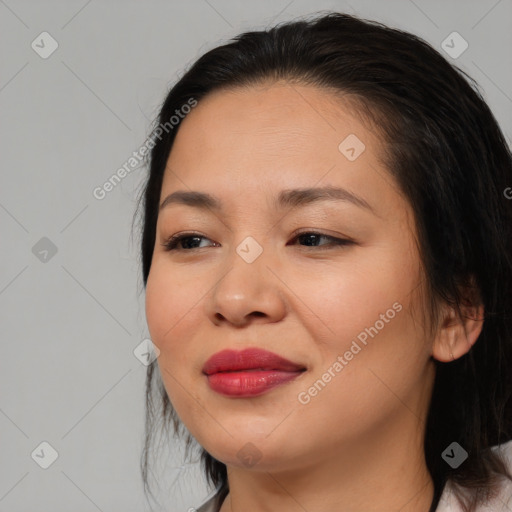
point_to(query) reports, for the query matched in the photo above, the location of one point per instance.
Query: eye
(172, 242)
(189, 241)
(312, 236)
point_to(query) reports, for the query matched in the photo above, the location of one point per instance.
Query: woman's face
(342, 312)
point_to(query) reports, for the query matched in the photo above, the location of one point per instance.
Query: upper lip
(248, 359)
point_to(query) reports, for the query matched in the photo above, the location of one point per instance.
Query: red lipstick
(249, 372)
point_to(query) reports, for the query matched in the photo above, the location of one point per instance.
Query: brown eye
(187, 241)
(311, 237)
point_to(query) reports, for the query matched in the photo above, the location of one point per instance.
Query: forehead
(264, 128)
(282, 113)
(272, 136)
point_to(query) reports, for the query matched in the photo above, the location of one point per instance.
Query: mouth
(250, 372)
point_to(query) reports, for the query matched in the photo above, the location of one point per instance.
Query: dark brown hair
(450, 159)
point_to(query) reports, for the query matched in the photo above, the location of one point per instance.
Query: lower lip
(249, 383)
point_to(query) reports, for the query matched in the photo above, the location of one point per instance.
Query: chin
(253, 452)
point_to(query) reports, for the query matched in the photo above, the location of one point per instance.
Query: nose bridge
(247, 286)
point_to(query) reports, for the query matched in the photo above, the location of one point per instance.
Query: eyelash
(171, 242)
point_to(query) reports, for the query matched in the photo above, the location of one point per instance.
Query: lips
(250, 359)
(249, 373)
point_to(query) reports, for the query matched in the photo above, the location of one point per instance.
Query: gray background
(71, 320)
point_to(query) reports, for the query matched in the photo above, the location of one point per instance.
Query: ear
(456, 335)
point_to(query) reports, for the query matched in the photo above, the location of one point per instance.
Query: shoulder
(502, 502)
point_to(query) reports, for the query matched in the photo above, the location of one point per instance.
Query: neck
(385, 472)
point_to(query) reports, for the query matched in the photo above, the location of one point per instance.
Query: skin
(358, 444)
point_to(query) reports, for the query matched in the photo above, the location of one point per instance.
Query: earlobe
(457, 335)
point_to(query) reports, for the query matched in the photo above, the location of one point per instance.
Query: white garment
(210, 505)
(448, 502)
(501, 503)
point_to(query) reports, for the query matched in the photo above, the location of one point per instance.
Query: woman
(326, 250)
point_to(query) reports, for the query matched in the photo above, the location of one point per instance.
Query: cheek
(341, 301)
(174, 311)
(164, 306)
(363, 314)
(168, 314)
(155, 306)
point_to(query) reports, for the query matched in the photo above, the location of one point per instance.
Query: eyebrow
(291, 198)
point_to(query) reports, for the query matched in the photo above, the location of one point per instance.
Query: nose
(247, 293)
